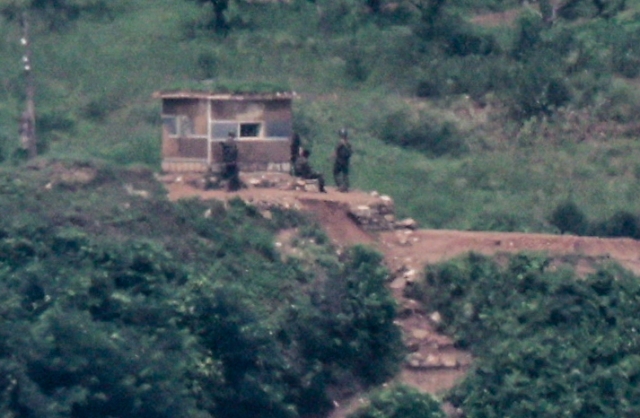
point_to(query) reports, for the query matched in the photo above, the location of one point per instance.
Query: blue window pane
(279, 128)
(170, 125)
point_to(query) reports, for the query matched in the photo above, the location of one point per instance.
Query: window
(249, 130)
(185, 126)
(220, 130)
(170, 124)
(180, 126)
(278, 129)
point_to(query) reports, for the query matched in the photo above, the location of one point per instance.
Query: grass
(96, 76)
(504, 186)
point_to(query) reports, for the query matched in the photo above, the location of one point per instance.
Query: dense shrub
(621, 224)
(466, 41)
(425, 135)
(626, 54)
(121, 305)
(547, 343)
(568, 217)
(351, 321)
(400, 402)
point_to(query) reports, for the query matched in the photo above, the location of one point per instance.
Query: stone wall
(379, 215)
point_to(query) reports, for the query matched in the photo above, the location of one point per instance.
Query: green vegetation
(116, 302)
(568, 217)
(400, 402)
(469, 123)
(547, 343)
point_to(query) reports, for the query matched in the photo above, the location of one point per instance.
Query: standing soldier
(341, 155)
(230, 171)
(295, 151)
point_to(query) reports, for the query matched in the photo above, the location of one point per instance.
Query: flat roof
(212, 95)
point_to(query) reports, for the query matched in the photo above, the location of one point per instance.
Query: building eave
(194, 94)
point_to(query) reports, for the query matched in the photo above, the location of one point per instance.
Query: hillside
(502, 127)
(118, 302)
(434, 364)
(115, 298)
(546, 116)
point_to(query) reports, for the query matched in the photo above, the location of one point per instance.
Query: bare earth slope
(434, 364)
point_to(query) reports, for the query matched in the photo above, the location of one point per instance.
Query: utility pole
(28, 118)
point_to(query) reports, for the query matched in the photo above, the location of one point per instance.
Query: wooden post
(28, 117)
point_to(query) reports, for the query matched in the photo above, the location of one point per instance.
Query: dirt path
(434, 365)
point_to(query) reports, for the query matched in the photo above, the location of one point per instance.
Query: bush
(400, 402)
(568, 217)
(350, 320)
(541, 89)
(621, 224)
(466, 41)
(426, 135)
(626, 55)
(547, 343)
(115, 305)
(620, 103)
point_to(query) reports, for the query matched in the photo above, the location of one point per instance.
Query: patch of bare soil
(433, 364)
(497, 19)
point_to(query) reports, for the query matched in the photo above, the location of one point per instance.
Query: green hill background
(468, 123)
(116, 302)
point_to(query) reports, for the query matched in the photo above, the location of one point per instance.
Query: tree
(430, 11)
(552, 9)
(219, 23)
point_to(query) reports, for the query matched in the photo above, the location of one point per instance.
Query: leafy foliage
(568, 217)
(425, 135)
(116, 303)
(400, 402)
(546, 341)
(545, 97)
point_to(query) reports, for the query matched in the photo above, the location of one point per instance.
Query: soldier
(230, 171)
(295, 151)
(341, 155)
(303, 170)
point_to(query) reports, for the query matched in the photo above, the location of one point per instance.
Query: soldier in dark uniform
(303, 170)
(230, 172)
(295, 151)
(341, 155)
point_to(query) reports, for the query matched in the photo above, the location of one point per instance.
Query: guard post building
(194, 123)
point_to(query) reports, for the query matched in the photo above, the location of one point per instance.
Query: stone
(450, 362)
(420, 334)
(406, 223)
(311, 186)
(398, 283)
(415, 361)
(403, 238)
(435, 317)
(432, 361)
